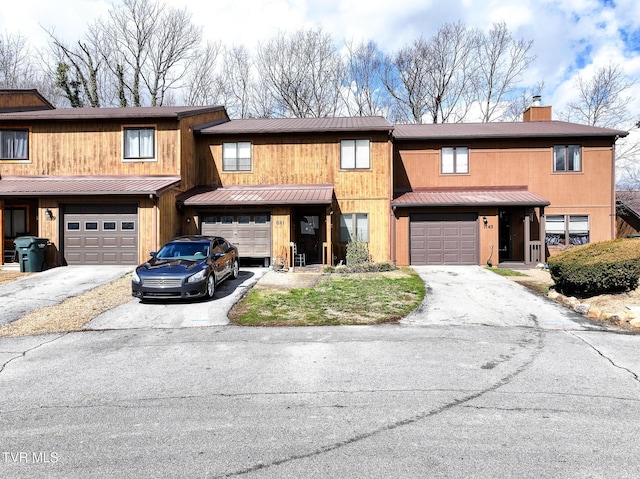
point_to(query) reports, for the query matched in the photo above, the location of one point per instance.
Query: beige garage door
(249, 232)
(100, 234)
(444, 238)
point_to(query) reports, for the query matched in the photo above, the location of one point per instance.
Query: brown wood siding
(312, 159)
(515, 163)
(281, 232)
(22, 100)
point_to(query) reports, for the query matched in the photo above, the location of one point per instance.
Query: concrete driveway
(472, 295)
(53, 286)
(172, 314)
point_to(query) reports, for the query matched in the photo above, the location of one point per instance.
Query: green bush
(357, 253)
(607, 267)
(371, 267)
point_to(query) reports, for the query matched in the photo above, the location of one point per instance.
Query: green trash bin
(31, 252)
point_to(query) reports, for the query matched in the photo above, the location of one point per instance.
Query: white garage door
(100, 234)
(450, 238)
(249, 232)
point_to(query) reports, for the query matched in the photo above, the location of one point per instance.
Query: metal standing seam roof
(262, 195)
(85, 185)
(522, 129)
(297, 125)
(143, 112)
(507, 196)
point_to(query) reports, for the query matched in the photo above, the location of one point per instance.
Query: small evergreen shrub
(357, 253)
(597, 268)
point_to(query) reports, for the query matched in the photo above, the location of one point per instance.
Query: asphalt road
(441, 395)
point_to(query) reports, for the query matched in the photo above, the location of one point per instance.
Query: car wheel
(235, 269)
(211, 286)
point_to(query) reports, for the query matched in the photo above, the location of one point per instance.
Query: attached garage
(446, 238)
(249, 232)
(100, 234)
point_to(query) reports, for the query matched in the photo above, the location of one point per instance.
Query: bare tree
(14, 61)
(302, 71)
(364, 94)
(77, 70)
(501, 61)
(404, 75)
(434, 78)
(518, 103)
(201, 82)
(238, 81)
(601, 98)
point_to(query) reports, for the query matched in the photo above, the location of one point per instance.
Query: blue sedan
(187, 267)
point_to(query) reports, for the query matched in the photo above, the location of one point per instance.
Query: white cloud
(569, 35)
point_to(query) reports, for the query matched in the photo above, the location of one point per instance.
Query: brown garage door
(444, 238)
(100, 234)
(249, 232)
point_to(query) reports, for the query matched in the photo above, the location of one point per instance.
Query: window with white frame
(354, 154)
(139, 143)
(354, 226)
(567, 229)
(236, 156)
(455, 160)
(14, 144)
(567, 158)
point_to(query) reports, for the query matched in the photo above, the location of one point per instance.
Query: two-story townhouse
(99, 183)
(501, 192)
(275, 186)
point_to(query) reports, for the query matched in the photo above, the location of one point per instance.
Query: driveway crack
(538, 343)
(26, 351)
(611, 361)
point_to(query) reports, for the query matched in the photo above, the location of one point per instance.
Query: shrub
(607, 267)
(357, 253)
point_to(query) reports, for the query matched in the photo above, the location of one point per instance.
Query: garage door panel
(444, 238)
(100, 234)
(250, 233)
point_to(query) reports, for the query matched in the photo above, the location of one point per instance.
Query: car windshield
(189, 251)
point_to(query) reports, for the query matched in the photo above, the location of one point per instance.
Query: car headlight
(199, 276)
(135, 278)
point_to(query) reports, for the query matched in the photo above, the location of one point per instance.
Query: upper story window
(455, 160)
(236, 156)
(14, 144)
(567, 158)
(354, 154)
(354, 226)
(139, 143)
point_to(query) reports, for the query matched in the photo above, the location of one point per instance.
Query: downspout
(154, 223)
(613, 188)
(392, 215)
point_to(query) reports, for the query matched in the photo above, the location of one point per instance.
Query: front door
(309, 240)
(505, 226)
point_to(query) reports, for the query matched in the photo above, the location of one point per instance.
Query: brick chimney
(536, 112)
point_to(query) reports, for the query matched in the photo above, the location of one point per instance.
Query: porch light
(49, 214)
(484, 220)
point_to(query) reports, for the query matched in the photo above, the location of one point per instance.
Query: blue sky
(571, 37)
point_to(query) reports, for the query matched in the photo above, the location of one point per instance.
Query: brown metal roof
(523, 129)
(261, 195)
(629, 201)
(85, 185)
(167, 112)
(503, 196)
(298, 125)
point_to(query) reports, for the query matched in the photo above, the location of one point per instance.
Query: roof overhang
(259, 195)
(12, 186)
(505, 196)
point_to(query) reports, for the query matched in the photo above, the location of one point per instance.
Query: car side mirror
(217, 255)
(153, 254)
